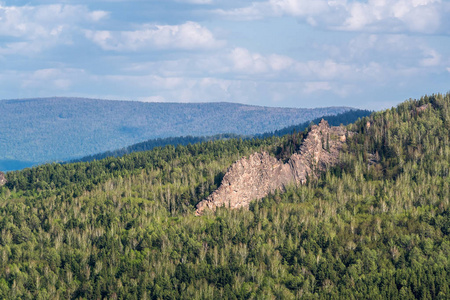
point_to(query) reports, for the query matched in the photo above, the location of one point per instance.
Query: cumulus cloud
(421, 16)
(45, 20)
(377, 52)
(368, 64)
(37, 27)
(240, 72)
(243, 61)
(189, 35)
(300, 7)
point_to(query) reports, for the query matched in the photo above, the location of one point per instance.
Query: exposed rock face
(2, 179)
(260, 174)
(422, 108)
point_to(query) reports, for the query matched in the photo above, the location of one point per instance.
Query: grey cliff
(255, 177)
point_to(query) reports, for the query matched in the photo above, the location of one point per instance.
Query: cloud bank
(189, 36)
(300, 53)
(420, 16)
(35, 28)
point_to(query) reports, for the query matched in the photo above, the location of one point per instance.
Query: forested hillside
(342, 118)
(58, 129)
(375, 227)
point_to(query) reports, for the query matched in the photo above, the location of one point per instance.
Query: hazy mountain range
(342, 118)
(57, 129)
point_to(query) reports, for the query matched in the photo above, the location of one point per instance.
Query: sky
(369, 54)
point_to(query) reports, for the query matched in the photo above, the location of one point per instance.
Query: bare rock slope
(255, 177)
(2, 178)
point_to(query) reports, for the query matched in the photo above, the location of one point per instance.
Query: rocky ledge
(2, 179)
(255, 177)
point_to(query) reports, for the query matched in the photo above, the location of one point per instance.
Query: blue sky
(291, 53)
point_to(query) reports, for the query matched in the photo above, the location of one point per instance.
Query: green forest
(374, 227)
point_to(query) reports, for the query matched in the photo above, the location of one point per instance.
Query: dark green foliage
(198, 168)
(377, 227)
(344, 118)
(150, 144)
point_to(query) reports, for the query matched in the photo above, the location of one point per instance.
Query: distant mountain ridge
(342, 118)
(56, 129)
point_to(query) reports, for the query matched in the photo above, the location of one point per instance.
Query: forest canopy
(377, 226)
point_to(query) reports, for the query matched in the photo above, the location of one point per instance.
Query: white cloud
(327, 69)
(387, 51)
(395, 16)
(58, 79)
(242, 73)
(299, 7)
(421, 16)
(43, 21)
(253, 12)
(274, 62)
(189, 35)
(243, 61)
(38, 27)
(431, 58)
(280, 62)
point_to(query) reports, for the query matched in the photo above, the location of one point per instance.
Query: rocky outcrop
(260, 174)
(2, 179)
(422, 108)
